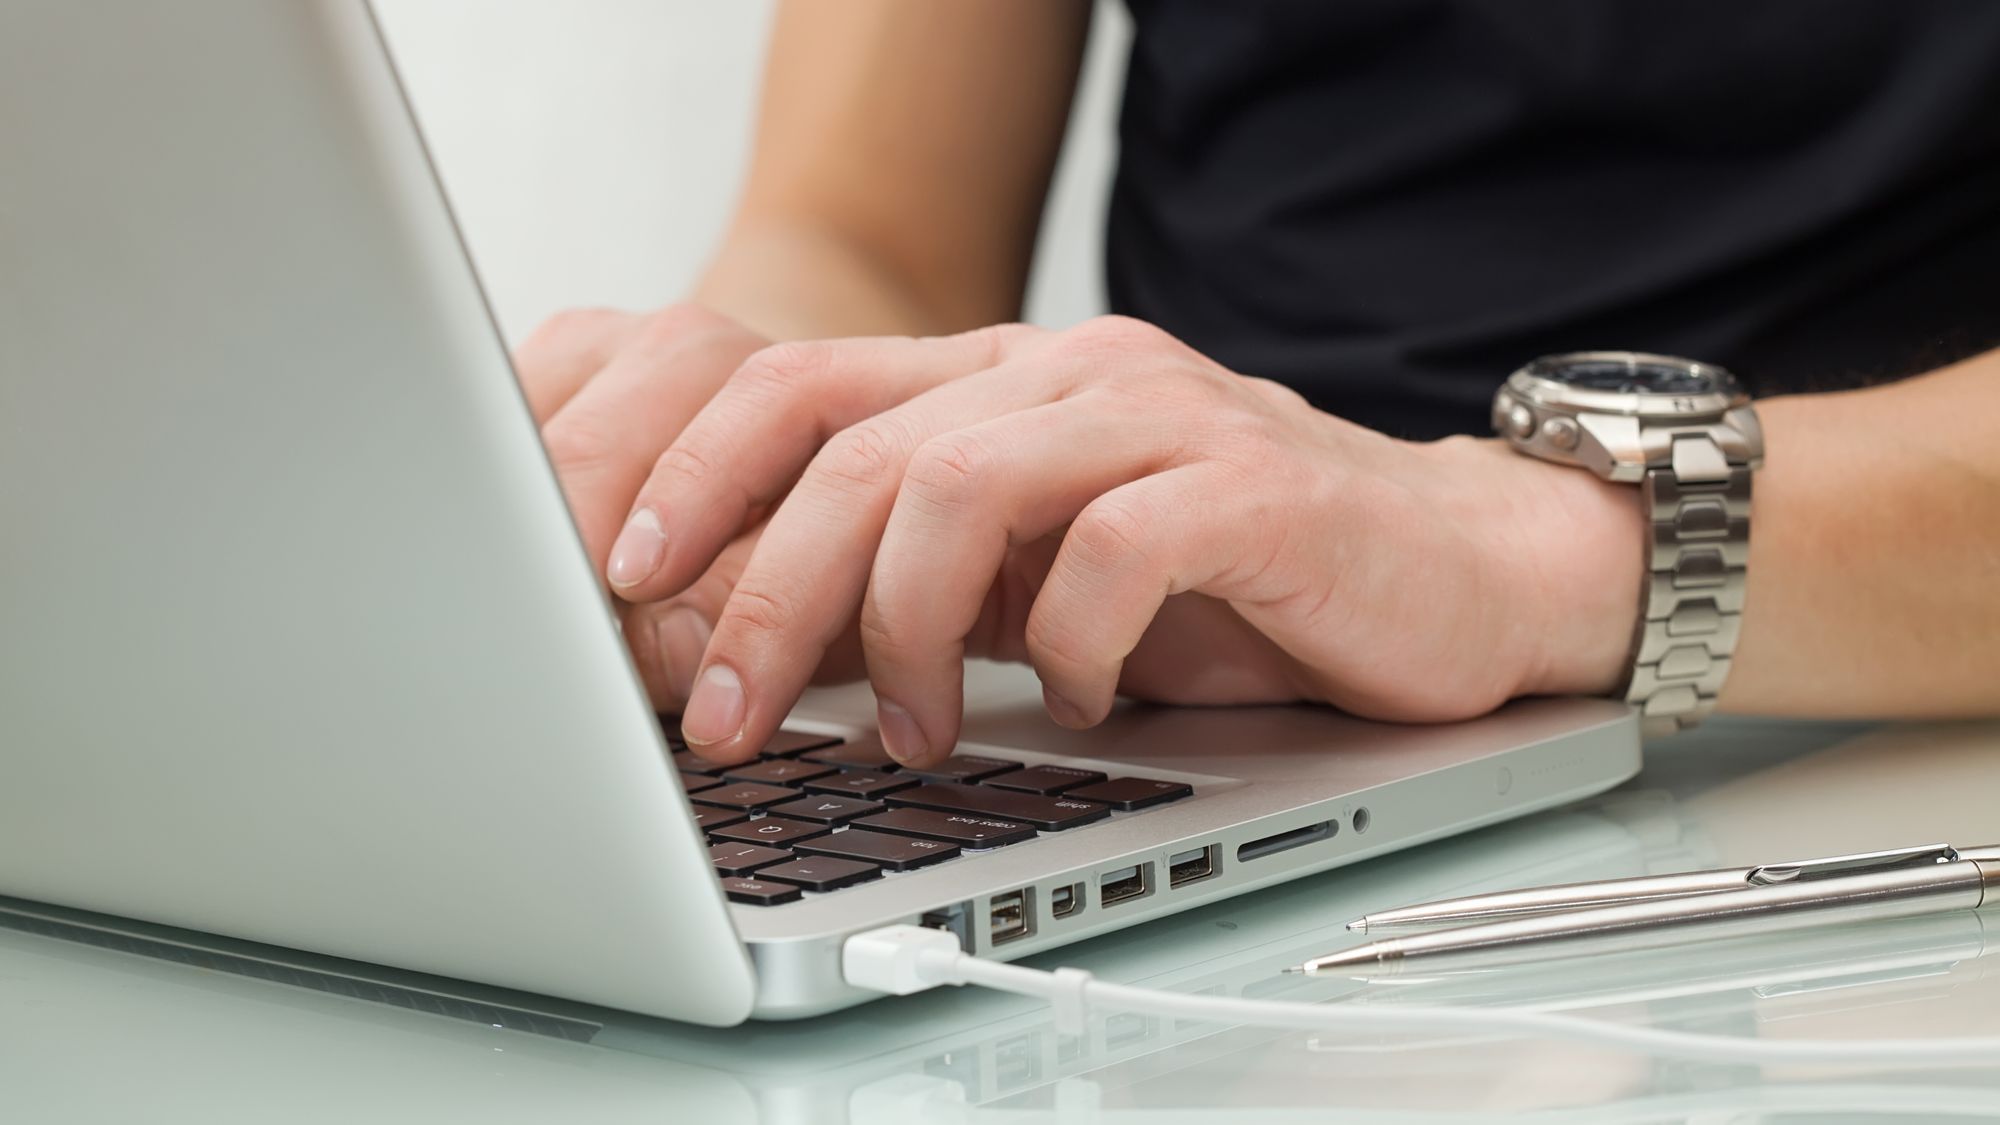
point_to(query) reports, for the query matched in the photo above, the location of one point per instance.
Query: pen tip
(1293, 969)
(1359, 925)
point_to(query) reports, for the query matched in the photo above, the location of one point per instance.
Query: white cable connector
(886, 960)
(905, 959)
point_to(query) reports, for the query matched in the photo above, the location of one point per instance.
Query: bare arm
(902, 157)
(1875, 552)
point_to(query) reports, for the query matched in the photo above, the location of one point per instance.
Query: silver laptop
(298, 645)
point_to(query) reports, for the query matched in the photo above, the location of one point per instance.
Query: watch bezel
(1550, 393)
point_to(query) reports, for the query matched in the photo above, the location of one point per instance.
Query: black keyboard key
(742, 859)
(769, 830)
(1046, 780)
(864, 755)
(897, 853)
(963, 769)
(826, 809)
(758, 892)
(967, 830)
(708, 820)
(743, 795)
(686, 762)
(1128, 793)
(786, 743)
(670, 725)
(778, 771)
(696, 782)
(822, 872)
(859, 783)
(1051, 813)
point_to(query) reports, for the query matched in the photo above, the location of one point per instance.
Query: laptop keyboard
(815, 813)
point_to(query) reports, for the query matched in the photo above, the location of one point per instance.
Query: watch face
(1632, 374)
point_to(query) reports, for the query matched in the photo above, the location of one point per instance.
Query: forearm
(800, 279)
(903, 152)
(1874, 574)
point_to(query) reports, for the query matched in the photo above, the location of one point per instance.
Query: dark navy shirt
(1390, 204)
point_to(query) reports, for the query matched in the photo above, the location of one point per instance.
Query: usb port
(1124, 884)
(1190, 866)
(955, 920)
(1063, 901)
(1009, 917)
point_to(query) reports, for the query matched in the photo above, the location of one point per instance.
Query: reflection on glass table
(102, 1020)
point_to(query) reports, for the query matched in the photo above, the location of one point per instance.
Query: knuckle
(947, 471)
(685, 463)
(758, 611)
(1274, 392)
(997, 341)
(577, 445)
(863, 456)
(568, 325)
(682, 321)
(781, 369)
(1110, 534)
(1121, 333)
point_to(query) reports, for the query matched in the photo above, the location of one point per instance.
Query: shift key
(1051, 814)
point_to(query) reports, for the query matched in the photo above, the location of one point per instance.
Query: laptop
(298, 645)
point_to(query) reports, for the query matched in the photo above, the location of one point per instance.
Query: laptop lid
(296, 641)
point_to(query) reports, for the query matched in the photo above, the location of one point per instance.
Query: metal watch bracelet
(1698, 504)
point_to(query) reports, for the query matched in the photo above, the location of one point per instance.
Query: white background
(592, 148)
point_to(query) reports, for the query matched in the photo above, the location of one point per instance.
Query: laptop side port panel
(1124, 884)
(1010, 916)
(1192, 866)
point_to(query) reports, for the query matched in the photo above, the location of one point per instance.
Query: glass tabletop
(161, 1026)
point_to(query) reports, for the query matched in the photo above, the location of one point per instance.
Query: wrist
(1570, 551)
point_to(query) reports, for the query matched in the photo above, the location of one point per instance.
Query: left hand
(1127, 516)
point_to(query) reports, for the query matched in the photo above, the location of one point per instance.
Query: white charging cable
(905, 959)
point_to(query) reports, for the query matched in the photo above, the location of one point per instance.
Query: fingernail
(1063, 711)
(901, 736)
(715, 708)
(682, 635)
(638, 551)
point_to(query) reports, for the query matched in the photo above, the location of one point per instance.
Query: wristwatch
(1686, 435)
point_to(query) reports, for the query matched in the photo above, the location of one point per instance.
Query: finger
(968, 497)
(667, 638)
(565, 350)
(810, 569)
(747, 445)
(604, 440)
(1202, 526)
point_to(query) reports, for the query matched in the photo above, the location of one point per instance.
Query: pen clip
(1772, 874)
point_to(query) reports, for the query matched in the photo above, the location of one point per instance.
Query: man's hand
(1124, 514)
(611, 390)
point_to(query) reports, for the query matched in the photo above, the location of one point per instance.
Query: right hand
(611, 390)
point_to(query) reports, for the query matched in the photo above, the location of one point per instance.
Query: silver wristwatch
(1685, 433)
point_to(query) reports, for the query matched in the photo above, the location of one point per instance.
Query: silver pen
(1656, 910)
